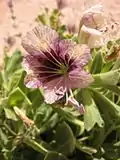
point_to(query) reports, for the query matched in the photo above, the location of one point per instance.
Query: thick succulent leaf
(111, 152)
(92, 115)
(10, 114)
(97, 63)
(109, 108)
(64, 139)
(117, 64)
(98, 137)
(99, 158)
(70, 118)
(35, 145)
(107, 67)
(13, 62)
(108, 78)
(55, 156)
(84, 148)
(16, 96)
(3, 138)
(114, 89)
(20, 82)
(50, 123)
(43, 114)
(14, 80)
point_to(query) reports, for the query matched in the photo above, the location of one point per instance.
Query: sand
(26, 11)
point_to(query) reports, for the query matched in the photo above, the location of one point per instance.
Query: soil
(24, 13)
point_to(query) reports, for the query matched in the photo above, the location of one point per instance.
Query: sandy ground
(26, 11)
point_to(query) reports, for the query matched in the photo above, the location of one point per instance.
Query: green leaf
(64, 138)
(107, 67)
(55, 156)
(61, 30)
(117, 64)
(97, 63)
(109, 108)
(99, 158)
(20, 82)
(35, 145)
(50, 123)
(92, 114)
(69, 117)
(43, 18)
(36, 98)
(43, 114)
(98, 137)
(114, 89)
(14, 79)
(4, 80)
(13, 62)
(3, 138)
(111, 152)
(108, 78)
(16, 96)
(84, 148)
(10, 114)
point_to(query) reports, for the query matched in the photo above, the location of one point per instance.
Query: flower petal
(51, 96)
(54, 90)
(81, 53)
(30, 64)
(72, 101)
(91, 37)
(79, 79)
(40, 39)
(93, 17)
(32, 82)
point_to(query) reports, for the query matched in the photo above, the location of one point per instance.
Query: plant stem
(36, 146)
(69, 118)
(9, 129)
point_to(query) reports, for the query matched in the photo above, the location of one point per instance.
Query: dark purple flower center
(54, 65)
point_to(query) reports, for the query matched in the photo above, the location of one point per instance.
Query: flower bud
(93, 17)
(91, 37)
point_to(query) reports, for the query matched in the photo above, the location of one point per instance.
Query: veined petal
(80, 53)
(39, 40)
(51, 96)
(56, 65)
(32, 63)
(79, 79)
(32, 82)
(54, 90)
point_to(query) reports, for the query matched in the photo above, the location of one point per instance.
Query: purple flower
(53, 64)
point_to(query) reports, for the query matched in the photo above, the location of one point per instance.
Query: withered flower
(93, 17)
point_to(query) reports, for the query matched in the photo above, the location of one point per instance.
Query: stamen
(72, 101)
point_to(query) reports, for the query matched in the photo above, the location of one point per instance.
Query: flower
(72, 101)
(53, 64)
(96, 28)
(93, 17)
(91, 37)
